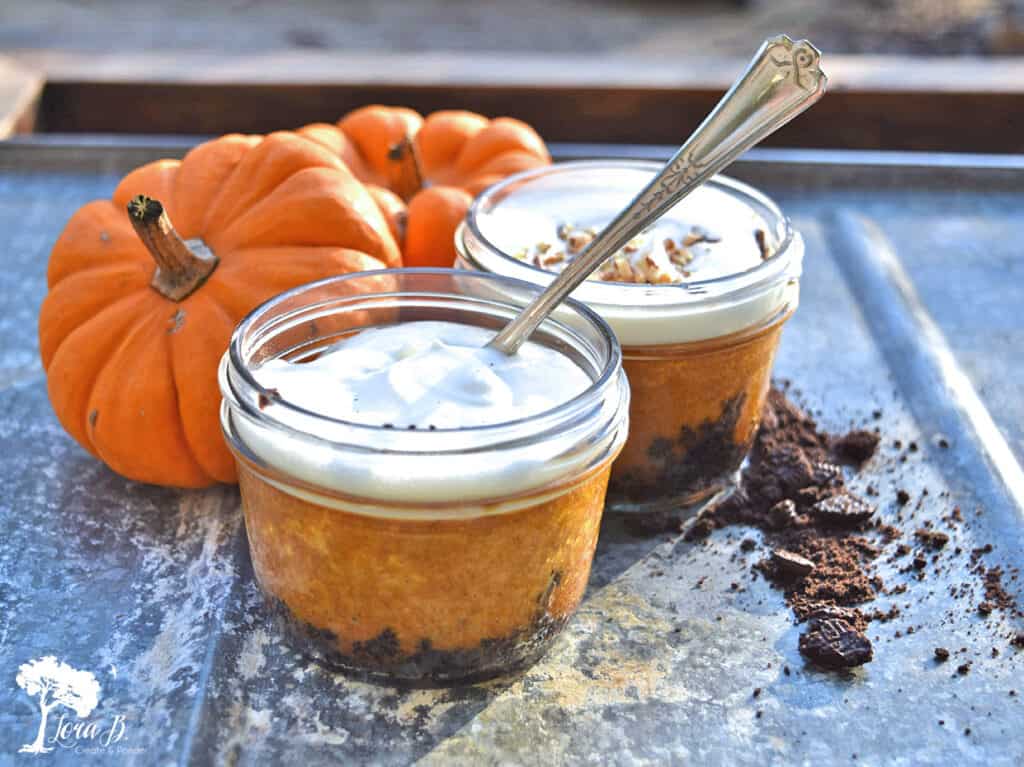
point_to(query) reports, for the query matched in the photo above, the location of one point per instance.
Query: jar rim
(242, 390)
(475, 246)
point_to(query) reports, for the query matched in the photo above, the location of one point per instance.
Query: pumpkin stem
(407, 178)
(180, 270)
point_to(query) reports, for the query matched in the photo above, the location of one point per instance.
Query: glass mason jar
(698, 353)
(430, 556)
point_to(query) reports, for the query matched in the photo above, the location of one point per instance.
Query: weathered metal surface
(910, 304)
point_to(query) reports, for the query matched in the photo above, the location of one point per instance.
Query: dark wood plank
(874, 103)
(967, 122)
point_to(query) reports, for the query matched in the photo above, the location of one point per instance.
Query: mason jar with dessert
(697, 301)
(419, 506)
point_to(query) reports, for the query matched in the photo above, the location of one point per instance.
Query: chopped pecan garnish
(623, 269)
(681, 257)
(577, 241)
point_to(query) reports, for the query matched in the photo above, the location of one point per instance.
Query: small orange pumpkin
(436, 165)
(139, 311)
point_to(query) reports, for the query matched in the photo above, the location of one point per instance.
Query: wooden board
(875, 102)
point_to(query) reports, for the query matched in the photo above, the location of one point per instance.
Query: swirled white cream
(700, 272)
(710, 234)
(426, 375)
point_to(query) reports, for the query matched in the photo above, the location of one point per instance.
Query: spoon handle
(782, 80)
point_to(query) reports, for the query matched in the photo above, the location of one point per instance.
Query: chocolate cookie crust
(381, 658)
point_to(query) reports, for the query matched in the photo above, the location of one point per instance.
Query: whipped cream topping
(426, 375)
(719, 262)
(710, 234)
(438, 378)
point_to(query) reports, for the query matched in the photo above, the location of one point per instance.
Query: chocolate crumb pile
(795, 492)
(824, 540)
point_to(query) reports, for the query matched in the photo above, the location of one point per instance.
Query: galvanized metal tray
(911, 304)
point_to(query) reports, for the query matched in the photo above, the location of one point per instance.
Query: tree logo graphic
(56, 684)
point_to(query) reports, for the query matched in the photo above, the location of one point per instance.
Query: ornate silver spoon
(782, 80)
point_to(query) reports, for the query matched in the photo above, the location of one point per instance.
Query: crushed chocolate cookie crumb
(977, 553)
(891, 614)
(790, 564)
(382, 658)
(834, 643)
(783, 514)
(793, 468)
(701, 528)
(823, 540)
(856, 447)
(851, 615)
(996, 595)
(932, 538)
(843, 510)
(684, 466)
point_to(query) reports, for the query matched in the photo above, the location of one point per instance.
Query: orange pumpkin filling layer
(693, 413)
(441, 599)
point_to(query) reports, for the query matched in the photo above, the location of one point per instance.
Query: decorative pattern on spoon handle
(783, 79)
